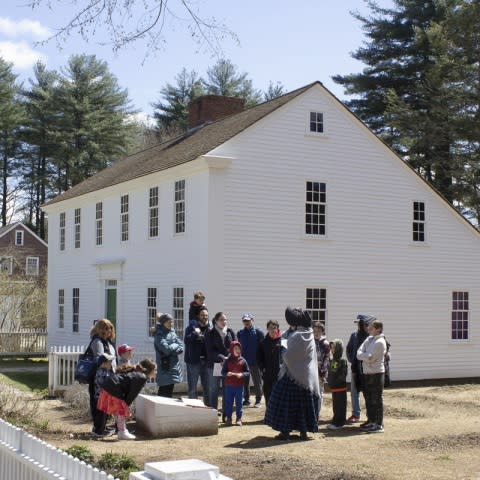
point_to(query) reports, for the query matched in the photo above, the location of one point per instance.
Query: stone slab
(165, 417)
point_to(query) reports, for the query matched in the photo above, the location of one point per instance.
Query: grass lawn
(30, 378)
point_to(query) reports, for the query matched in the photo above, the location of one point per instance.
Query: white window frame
(99, 224)
(75, 310)
(179, 211)
(32, 266)
(8, 262)
(61, 308)
(153, 212)
(124, 217)
(77, 221)
(419, 221)
(316, 303)
(460, 315)
(151, 310)
(178, 309)
(316, 123)
(62, 222)
(315, 209)
(19, 235)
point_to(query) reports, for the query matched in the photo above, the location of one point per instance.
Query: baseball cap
(247, 316)
(125, 348)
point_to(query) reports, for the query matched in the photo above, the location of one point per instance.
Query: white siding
(368, 261)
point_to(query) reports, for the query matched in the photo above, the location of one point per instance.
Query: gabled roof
(179, 150)
(7, 228)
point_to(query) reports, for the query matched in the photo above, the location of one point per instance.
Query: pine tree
(11, 121)
(40, 144)
(171, 113)
(407, 94)
(93, 130)
(224, 79)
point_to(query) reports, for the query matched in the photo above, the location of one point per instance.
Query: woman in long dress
(294, 401)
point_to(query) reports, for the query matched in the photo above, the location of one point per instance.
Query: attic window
(19, 237)
(316, 122)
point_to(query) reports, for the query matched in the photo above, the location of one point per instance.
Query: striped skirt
(292, 407)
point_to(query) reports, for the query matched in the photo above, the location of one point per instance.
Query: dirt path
(430, 433)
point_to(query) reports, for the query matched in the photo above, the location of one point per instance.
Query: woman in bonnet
(294, 401)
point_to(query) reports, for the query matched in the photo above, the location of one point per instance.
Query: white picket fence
(25, 457)
(62, 361)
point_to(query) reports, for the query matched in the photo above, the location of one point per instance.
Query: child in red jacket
(234, 371)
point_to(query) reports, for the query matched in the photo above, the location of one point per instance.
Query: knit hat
(165, 317)
(298, 317)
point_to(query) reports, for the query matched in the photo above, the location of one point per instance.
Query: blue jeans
(214, 384)
(233, 394)
(194, 372)
(355, 397)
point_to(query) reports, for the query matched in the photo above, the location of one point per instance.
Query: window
(459, 315)
(124, 218)
(151, 310)
(75, 309)
(177, 310)
(153, 213)
(6, 265)
(77, 227)
(180, 206)
(418, 222)
(316, 122)
(31, 265)
(316, 303)
(19, 237)
(61, 308)
(315, 208)
(99, 224)
(62, 231)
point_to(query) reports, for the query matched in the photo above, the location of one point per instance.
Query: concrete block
(167, 417)
(191, 469)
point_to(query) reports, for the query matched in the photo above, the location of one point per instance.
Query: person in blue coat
(168, 347)
(250, 338)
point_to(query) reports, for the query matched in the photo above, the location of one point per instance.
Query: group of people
(289, 369)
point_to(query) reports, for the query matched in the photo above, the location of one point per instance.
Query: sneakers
(125, 435)
(353, 419)
(332, 426)
(375, 429)
(228, 422)
(366, 426)
(246, 403)
(257, 405)
(238, 423)
(105, 433)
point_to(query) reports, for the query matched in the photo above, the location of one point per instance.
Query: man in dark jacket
(250, 338)
(217, 342)
(356, 339)
(196, 355)
(268, 357)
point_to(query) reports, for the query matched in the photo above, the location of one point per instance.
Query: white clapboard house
(292, 202)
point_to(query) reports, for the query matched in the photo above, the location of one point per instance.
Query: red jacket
(235, 365)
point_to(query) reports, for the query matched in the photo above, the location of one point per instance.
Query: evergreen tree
(274, 91)
(93, 130)
(171, 113)
(404, 94)
(40, 144)
(11, 121)
(224, 79)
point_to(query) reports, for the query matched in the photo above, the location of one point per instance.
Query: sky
(294, 43)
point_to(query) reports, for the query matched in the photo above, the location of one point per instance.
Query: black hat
(298, 317)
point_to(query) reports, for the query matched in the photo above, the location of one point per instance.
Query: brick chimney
(212, 108)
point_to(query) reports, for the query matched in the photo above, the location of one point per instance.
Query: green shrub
(82, 453)
(118, 465)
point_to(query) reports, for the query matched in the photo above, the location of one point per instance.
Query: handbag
(86, 367)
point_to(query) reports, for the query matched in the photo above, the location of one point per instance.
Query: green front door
(111, 305)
